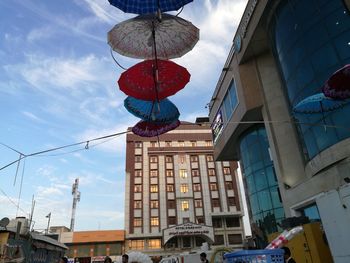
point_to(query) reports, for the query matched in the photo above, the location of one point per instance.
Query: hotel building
(177, 196)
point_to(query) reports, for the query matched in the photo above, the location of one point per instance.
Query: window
(185, 220)
(210, 158)
(181, 143)
(195, 172)
(232, 222)
(193, 143)
(185, 206)
(138, 144)
(208, 143)
(231, 201)
(182, 158)
(154, 221)
(199, 241)
(137, 222)
(211, 172)
(154, 188)
(198, 203)
(217, 223)
(229, 185)
(138, 158)
(171, 220)
(230, 100)
(171, 204)
(227, 170)
(168, 159)
(154, 173)
(153, 144)
(168, 144)
(194, 158)
(215, 202)
(186, 242)
(218, 240)
(200, 220)
(213, 187)
(183, 173)
(234, 239)
(184, 188)
(138, 173)
(169, 173)
(154, 244)
(154, 204)
(170, 188)
(137, 204)
(138, 188)
(196, 187)
(136, 244)
(153, 159)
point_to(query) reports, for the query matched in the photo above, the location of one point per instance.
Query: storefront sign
(217, 126)
(188, 229)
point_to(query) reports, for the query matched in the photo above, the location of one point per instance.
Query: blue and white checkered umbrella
(148, 6)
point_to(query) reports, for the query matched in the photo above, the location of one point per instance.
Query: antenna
(76, 198)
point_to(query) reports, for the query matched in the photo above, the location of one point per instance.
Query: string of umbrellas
(155, 37)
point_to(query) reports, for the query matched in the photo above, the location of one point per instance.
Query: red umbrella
(338, 85)
(149, 129)
(144, 82)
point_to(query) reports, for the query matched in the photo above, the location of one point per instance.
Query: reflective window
(154, 243)
(136, 244)
(183, 173)
(184, 188)
(154, 221)
(185, 206)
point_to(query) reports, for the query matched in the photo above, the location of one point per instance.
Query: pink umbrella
(338, 85)
(149, 129)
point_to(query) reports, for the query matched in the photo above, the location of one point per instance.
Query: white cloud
(40, 33)
(32, 116)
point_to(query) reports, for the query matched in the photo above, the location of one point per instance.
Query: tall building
(177, 196)
(293, 164)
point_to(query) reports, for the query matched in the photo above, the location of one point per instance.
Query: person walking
(108, 260)
(125, 258)
(203, 257)
(288, 255)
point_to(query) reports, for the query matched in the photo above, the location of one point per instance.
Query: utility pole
(76, 198)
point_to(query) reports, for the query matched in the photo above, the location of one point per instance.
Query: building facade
(282, 53)
(177, 196)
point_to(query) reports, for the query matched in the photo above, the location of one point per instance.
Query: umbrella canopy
(338, 85)
(148, 129)
(140, 81)
(148, 6)
(318, 103)
(163, 111)
(138, 37)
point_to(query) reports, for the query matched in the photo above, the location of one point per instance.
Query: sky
(58, 86)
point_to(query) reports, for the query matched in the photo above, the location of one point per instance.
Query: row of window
(233, 239)
(140, 244)
(169, 159)
(172, 143)
(183, 172)
(184, 188)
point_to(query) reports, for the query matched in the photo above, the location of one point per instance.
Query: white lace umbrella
(137, 257)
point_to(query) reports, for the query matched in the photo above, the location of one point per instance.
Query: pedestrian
(63, 260)
(108, 260)
(287, 255)
(125, 258)
(203, 257)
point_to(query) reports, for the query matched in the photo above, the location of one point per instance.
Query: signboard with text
(189, 229)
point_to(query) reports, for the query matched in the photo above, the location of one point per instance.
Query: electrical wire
(13, 202)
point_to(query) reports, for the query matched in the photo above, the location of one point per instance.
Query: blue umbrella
(148, 6)
(318, 103)
(163, 111)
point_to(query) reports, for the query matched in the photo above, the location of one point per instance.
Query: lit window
(193, 143)
(154, 221)
(210, 158)
(170, 188)
(227, 170)
(154, 204)
(138, 158)
(137, 222)
(154, 173)
(138, 144)
(208, 143)
(168, 144)
(153, 144)
(195, 172)
(154, 188)
(136, 244)
(183, 173)
(198, 203)
(154, 243)
(185, 206)
(168, 159)
(184, 188)
(213, 187)
(138, 173)
(153, 159)
(196, 187)
(137, 204)
(181, 143)
(138, 188)
(211, 172)
(229, 185)
(194, 158)
(182, 158)
(169, 173)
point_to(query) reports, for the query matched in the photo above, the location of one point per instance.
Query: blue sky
(58, 86)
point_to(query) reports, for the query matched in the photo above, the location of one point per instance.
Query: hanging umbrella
(139, 80)
(135, 38)
(338, 85)
(318, 103)
(163, 111)
(148, 129)
(148, 6)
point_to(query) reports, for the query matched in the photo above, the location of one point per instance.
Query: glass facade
(260, 179)
(311, 40)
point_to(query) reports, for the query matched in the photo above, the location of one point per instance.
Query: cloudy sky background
(58, 86)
